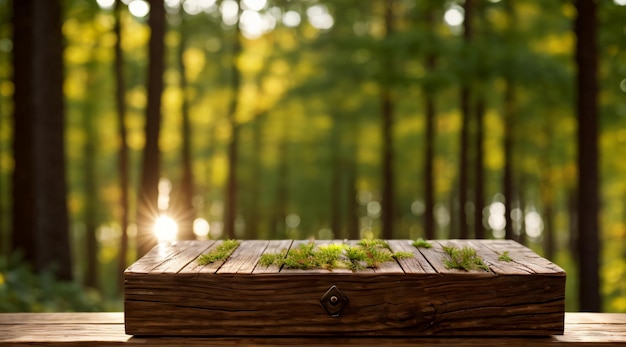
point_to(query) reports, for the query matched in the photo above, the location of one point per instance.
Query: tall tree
(147, 206)
(40, 219)
(186, 211)
(89, 174)
(230, 210)
(122, 163)
(386, 99)
(468, 32)
(587, 109)
(508, 113)
(430, 114)
(479, 173)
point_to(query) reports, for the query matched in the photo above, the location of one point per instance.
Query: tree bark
(465, 115)
(429, 146)
(387, 203)
(479, 176)
(147, 206)
(230, 211)
(40, 220)
(122, 163)
(185, 213)
(90, 185)
(587, 109)
(509, 135)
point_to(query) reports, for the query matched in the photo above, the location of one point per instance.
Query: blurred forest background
(124, 123)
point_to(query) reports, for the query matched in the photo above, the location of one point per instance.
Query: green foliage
(221, 252)
(504, 256)
(366, 254)
(22, 290)
(463, 259)
(421, 243)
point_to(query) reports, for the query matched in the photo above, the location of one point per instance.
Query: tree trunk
(185, 213)
(587, 109)
(429, 147)
(252, 227)
(337, 171)
(40, 220)
(509, 125)
(509, 136)
(387, 203)
(90, 185)
(122, 164)
(465, 114)
(147, 206)
(479, 176)
(230, 211)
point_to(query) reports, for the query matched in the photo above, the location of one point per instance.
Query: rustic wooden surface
(168, 292)
(107, 329)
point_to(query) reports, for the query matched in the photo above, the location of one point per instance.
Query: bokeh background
(271, 119)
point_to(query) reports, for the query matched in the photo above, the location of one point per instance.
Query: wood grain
(107, 329)
(416, 296)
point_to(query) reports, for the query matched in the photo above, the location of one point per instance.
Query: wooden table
(107, 329)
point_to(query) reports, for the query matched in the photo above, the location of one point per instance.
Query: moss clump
(219, 253)
(366, 254)
(421, 243)
(463, 259)
(504, 256)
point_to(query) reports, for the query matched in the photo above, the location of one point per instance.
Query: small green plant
(219, 253)
(463, 259)
(367, 253)
(504, 256)
(421, 243)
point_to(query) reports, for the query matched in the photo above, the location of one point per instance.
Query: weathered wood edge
(106, 329)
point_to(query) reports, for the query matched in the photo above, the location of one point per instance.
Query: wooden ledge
(107, 329)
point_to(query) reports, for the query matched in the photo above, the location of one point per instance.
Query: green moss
(366, 254)
(504, 256)
(219, 253)
(463, 259)
(421, 243)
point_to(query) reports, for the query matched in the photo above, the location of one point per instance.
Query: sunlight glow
(106, 4)
(194, 7)
(253, 24)
(164, 188)
(254, 5)
(454, 16)
(620, 2)
(373, 209)
(291, 19)
(230, 12)
(496, 219)
(533, 224)
(139, 8)
(292, 220)
(319, 17)
(201, 228)
(165, 229)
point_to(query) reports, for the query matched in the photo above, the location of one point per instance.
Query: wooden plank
(157, 255)
(107, 329)
(274, 247)
(525, 257)
(188, 253)
(491, 257)
(244, 258)
(417, 264)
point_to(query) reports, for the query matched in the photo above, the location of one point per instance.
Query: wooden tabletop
(107, 329)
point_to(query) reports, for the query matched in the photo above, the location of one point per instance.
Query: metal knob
(334, 301)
